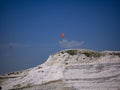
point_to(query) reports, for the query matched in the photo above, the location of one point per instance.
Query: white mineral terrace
(69, 70)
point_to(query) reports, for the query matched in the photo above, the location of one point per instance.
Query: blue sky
(30, 29)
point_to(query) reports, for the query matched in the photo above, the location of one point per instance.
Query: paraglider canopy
(62, 35)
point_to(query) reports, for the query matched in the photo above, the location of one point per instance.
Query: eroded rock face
(69, 70)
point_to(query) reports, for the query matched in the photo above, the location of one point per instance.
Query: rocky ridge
(73, 69)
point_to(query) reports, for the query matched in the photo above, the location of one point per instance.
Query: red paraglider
(62, 35)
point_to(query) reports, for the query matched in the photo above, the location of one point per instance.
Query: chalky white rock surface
(69, 70)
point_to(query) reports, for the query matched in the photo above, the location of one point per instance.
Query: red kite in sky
(62, 35)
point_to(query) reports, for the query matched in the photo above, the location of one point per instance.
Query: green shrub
(117, 54)
(39, 67)
(28, 85)
(91, 54)
(72, 52)
(17, 86)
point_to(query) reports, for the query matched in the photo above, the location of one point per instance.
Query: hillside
(73, 69)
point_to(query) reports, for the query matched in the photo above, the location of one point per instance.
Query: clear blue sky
(30, 29)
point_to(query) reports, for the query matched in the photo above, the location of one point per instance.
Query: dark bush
(66, 63)
(62, 52)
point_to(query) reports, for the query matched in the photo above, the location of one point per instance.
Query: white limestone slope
(69, 70)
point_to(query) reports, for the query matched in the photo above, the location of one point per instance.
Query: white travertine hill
(75, 69)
